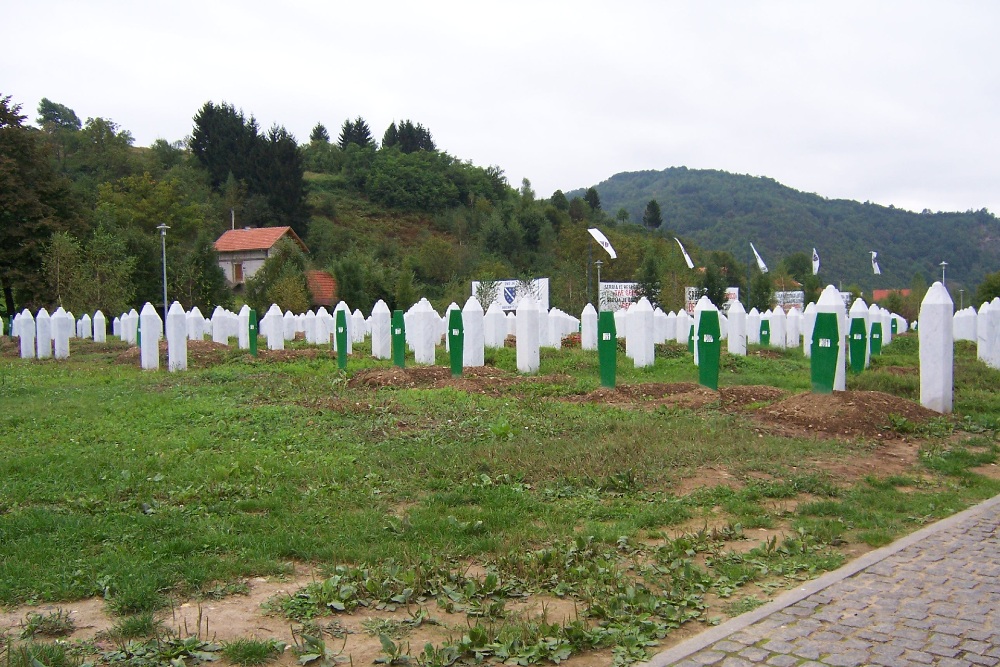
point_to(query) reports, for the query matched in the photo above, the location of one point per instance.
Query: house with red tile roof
(243, 251)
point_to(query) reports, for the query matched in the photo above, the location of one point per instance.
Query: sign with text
(617, 296)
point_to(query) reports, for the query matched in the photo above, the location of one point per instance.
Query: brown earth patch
(651, 395)
(743, 395)
(842, 414)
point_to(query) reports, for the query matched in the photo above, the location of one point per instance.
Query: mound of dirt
(847, 414)
(651, 395)
(743, 396)
(478, 380)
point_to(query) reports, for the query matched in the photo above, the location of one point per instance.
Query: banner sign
(506, 294)
(788, 300)
(617, 296)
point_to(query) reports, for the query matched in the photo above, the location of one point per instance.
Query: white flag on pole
(815, 262)
(875, 268)
(760, 262)
(687, 257)
(603, 241)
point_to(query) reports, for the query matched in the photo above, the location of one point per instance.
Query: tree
(577, 210)
(34, 203)
(593, 199)
(989, 289)
(61, 265)
(198, 279)
(355, 132)
(714, 284)
(57, 115)
(651, 217)
(622, 216)
(351, 283)
(559, 201)
(319, 134)
(281, 280)
(761, 291)
(409, 137)
(648, 279)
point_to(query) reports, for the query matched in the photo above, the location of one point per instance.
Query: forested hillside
(723, 211)
(396, 217)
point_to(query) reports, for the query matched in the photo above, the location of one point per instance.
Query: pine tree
(319, 134)
(651, 217)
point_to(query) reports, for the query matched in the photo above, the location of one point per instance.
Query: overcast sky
(891, 102)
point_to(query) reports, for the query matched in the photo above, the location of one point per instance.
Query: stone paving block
(847, 659)
(953, 662)
(754, 654)
(709, 657)
(736, 662)
(782, 661)
(918, 657)
(977, 659)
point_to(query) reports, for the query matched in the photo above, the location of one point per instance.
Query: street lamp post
(163, 244)
(961, 296)
(598, 264)
(943, 265)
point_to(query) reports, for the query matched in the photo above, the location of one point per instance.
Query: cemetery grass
(518, 518)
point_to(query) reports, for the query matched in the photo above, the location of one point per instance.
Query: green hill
(722, 211)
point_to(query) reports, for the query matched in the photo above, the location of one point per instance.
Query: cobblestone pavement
(932, 598)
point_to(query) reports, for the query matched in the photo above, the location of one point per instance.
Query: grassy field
(147, 487)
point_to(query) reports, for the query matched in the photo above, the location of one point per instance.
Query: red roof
(323, 288)
(259, 238)
(879, 294)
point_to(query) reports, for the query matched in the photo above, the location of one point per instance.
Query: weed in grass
(58, 623)
(251, 652)
(36, 654)
(139, 626)
(742, 606)
(163, 651)
(312, 650)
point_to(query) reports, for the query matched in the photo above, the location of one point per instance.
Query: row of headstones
(981, 327)
(825, 330)
(43, 336)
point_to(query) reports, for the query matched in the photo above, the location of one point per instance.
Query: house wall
(252, 260)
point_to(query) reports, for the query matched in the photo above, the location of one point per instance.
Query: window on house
(238, 272)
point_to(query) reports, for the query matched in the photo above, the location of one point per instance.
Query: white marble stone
(588, 328)
(528, 358)
(100, 328)
(26, 334)
(737, 342)
(86, 327)
(149, 345)
(495, 327)
(381, 323)
(639, 340)
(753, 327)
(177, 338)
(937, 351)
(793, 327)
(43, 334)
(474, 334)
(778, 328)
(62, 329)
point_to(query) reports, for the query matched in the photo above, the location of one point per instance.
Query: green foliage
(648, 278)
(415, 181)
(34, 203)
(355, 132)
(281, 280)
(58, 623)
(720, 211)
(252, 652)
(761, 291)
(268, 164)
(652, 218)
(319, 134)
(714, 284)
(592, 199)
(408, 137)
(988, 289)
